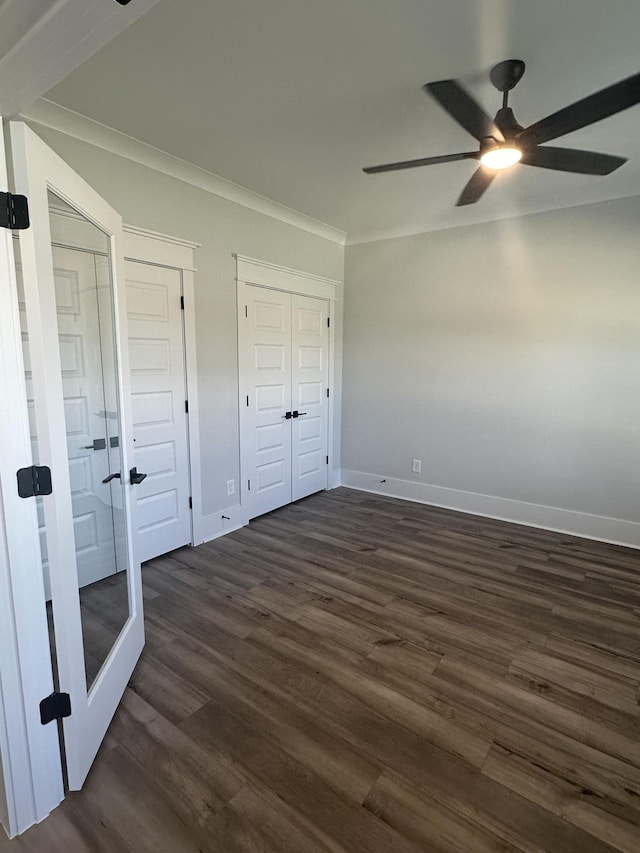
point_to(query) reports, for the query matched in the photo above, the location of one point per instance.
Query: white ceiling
(291, 98)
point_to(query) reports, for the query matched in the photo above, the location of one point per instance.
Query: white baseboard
(613, 530)
(219, 524)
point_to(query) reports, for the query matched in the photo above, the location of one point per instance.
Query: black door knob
(135, 477)
(98, 444)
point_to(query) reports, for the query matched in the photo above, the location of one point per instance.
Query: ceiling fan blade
(425, 161)
(476, 186)
(462, 107)
(572, 160)
(593, 108)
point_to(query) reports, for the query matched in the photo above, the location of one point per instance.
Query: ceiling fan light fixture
(501, 157)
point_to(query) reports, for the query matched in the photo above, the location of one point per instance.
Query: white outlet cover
(417, 466)
(231, 487)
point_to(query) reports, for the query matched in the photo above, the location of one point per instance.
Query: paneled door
(283, 368)
(74, 307)
(160, 419)
(309, 384)
(265, 381)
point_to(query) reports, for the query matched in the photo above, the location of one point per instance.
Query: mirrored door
(73, 322)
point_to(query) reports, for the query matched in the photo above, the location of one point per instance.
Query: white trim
(615, 531)
(67, 33)
(51, 115)
(252, 271)
(165, 250)
(473, 217)
(216, 525)
(30, 751)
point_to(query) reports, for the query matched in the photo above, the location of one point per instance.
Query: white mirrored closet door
(73, 318)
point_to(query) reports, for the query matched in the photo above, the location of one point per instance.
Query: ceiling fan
(504, 142)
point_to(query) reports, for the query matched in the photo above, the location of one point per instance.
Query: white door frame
(150, 247)
(31, 765)
(276, 277)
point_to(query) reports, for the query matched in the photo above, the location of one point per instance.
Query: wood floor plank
(354, 674)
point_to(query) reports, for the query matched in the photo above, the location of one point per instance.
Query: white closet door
(265, 371)
(283, 344)
(158, 388)
(309, 383)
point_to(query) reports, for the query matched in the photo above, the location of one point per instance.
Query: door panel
(309, 383)
(265, 367)
(73, 302)
(156, 356)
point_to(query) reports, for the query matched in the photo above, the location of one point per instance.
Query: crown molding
(508, 212)
(48, 114)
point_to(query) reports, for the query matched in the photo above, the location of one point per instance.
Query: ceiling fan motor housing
(506, 75)
(506, 122)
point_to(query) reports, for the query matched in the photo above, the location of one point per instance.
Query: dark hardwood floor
(360, 674)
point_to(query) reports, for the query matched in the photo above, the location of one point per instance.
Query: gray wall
(505, 356)
(151, 200)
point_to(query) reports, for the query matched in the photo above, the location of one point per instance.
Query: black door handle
(287, 415)
(111, 477)
(135, 477)
(98, 444)
(297, 414)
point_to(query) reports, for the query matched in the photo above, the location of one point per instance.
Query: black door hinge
(190, 503)
(34, 481)
(14, 211)
(327, 392)
(186, 406)
(55, 707)
(182, 302)
(327, 460)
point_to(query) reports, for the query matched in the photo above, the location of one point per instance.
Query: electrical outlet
(417, 466)
(231, 487)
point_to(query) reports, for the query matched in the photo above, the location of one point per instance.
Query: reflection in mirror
(85, 316)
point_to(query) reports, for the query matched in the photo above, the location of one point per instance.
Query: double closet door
(283, 341)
